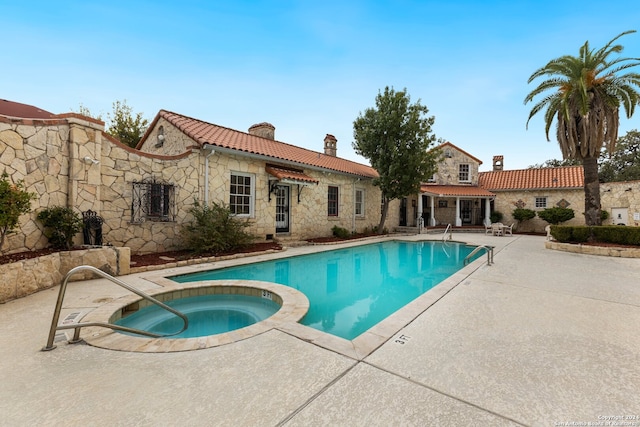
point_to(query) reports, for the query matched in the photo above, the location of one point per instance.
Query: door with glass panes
(282, 209)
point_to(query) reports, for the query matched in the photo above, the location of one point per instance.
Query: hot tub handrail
(77, 326)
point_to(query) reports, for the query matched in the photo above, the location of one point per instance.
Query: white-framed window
(359, 202)
(242, 194)
(464, 172)
(332, 201)
(541, 202)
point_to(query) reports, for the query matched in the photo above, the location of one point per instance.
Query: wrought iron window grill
(153, 201)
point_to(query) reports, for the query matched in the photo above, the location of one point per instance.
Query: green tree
(85, 111)
(395, 136)
(523, 214)
(124, 126)
(555, 163)
(14, 201)
(623, 164)
(588, 91)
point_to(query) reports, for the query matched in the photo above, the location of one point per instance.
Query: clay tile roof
(207, 133)
(455, 190)
(286, 174)
(24, 111)
(529, 179)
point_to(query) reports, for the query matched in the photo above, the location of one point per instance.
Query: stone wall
(613, 195)
(621, 197)
(449, 167)
(121, 166)
(506, 201)
(28, 276)
(48, 156)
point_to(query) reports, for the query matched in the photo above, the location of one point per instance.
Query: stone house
(287, 192)
(451, 196)
(460, 195)
(537, 189)
(144, 196)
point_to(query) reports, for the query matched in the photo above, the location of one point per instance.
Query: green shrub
(340, 232)
(214, 229)
(556, 215)
(561, 234)
(580, 234)
(604, 215)
(604, 233)
(14, 201)
(522, 214)
(60, 225)
(495, 216)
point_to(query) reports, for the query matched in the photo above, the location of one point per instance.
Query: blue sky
(309, 68)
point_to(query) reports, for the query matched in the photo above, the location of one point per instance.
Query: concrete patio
(540, 338)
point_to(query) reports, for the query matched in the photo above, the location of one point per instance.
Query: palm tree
(587, 93)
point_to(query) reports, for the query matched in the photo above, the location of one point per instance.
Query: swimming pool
(350, 290)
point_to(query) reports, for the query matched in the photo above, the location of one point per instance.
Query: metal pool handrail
(78, 326)
(450, 230)
(489, 250)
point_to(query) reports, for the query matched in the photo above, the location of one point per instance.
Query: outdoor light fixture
(160, 142)
(88, 160)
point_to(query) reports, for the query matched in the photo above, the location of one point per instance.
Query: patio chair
(487, 229)
(496, 229)
(508, 230)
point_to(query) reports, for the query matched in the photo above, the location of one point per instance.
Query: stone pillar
(85, 148)
(458, 219)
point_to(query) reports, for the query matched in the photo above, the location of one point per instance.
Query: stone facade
(70, 161)
(616, 198)
(622, 201)
(506, 201)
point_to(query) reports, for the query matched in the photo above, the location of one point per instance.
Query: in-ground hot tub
(219, 312)
(208, 314)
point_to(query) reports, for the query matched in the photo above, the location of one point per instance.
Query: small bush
(604, 215)
(604, 233)
(561, 234)
(580, 234)
(61, 224)
(14, 201)
(556, 215)
(340, 232)
(522, 214)
(495, 216)
(214, 229)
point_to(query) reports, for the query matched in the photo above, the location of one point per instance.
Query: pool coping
(358, 348)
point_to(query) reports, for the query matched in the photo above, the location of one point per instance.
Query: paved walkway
(540, 338)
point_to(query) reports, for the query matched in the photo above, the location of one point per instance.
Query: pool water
(207, 314)
(350, 290)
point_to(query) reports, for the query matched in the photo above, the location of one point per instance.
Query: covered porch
(458, 205)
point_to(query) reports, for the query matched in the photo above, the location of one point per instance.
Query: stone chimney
(330, 145)
(498, 163)
(264, 130)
